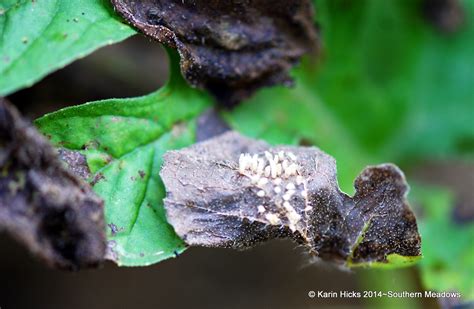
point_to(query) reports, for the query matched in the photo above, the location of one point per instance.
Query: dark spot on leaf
(230, 48)
(142, 174)
(97, 177)
(306, 142)
(216, 198)
(113, 229)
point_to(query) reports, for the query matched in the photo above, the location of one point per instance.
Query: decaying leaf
(230, 48)
(232, 191)
(42, 203)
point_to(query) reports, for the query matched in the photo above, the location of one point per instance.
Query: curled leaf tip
(230, 48)
(235, 192)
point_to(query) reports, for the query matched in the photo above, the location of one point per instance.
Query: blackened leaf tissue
(230, 48)
(234, 192)
(42, 203)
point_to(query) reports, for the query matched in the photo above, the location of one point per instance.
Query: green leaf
(123, 141)
(447, 246)
(38, 37)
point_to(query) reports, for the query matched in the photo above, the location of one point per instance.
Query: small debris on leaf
(42, 203)
(231, 48)
(216, 198)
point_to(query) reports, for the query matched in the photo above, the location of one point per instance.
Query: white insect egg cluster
(279, 176)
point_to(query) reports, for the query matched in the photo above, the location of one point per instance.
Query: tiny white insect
(261, 209)
(290, 186)
(277, 189)
(281, 154)
(292, 156)
(269, 156)
(261, 193)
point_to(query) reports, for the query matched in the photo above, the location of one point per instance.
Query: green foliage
(123, 141)
(448, 245)
(38, 37)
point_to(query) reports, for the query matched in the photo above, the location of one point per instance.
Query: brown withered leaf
(231, 48)
(215, 199)
(43, 204)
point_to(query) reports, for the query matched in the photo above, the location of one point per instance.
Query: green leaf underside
(123, 141)
(393, 261)
(38, 37)
(447, 246)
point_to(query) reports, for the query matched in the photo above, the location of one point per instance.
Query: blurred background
(397, 75)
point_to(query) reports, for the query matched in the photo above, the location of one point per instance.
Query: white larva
(277, 189)
(308, 208)
(278, 169)
(273, 169)
(290, 186)
(276, 159)
(263, 181)
(267, 171)
(281, 154)
(292, 156)
(261, 209)
(254, 162)
(261, 166)
(269, 156)
(241, 162)
(261, 193)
